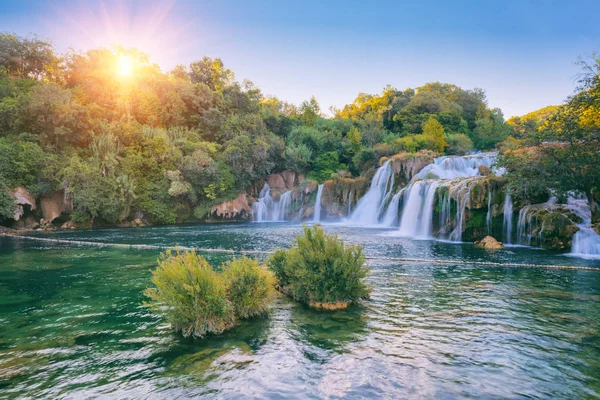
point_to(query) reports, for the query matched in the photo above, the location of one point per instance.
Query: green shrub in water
(250, 287)
(321, 271)
(196, 300)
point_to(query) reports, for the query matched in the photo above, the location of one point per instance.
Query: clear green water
(72, 325)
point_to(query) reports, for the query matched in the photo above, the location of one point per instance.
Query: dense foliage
(250, 286)
(196, 300)
(125, 139)
(319, 269)
(562, 154)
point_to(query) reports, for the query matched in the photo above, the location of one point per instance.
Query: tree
(211, 72)
(433, 132)
(566, 147)
(27, 57)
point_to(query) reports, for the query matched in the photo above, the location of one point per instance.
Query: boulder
(340, 305)
(69, 225)
(22, 198)
(276, 182)
(53, 205)
(237, 208)
(489, 242)
(290, 179)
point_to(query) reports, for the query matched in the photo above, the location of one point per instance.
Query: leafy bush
(250, 286)
(319, 269)
(190, 294)
(459, 144)
(196, 300)
(7, 202)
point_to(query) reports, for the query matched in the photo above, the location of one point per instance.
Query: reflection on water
(72, 325)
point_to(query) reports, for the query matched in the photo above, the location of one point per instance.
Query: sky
(521, 52)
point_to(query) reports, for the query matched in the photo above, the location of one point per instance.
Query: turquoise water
(72, 325)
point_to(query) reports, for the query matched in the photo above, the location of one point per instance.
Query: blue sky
(521, 53)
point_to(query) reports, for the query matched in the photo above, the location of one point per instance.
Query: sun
(125, 65)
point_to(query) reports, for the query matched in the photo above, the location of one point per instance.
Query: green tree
(433, 132)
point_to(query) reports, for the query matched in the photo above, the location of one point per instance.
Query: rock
(6, 231)
(596, 227)
(46, 225)
(483, 170)
(138, 222)
(68, 225)
(235, 209)
(276, 182)
(290, 179)
(340, 305)
(53, 205)
(22, 198)
(310, 187)
(489, 242)
(407, 165)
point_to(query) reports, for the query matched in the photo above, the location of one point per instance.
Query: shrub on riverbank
(196, 300)
(321, 271)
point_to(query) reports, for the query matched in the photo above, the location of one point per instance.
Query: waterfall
(371, 206)
(417, 212)
(317, 210)
(452, 167)
(349, 210)
(525, 225)
(266, 209)
(419, 196)
(391, 215)
(586, 242)
(461, 194)
(488, 217)
(508, 212)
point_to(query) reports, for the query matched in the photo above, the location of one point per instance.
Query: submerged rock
(340, 305)
(489, 242)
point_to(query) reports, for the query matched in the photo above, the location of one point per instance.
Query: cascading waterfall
(586, 242)
(452, 167)
(317, 210)
(391, 215)
(419, 196)
(371, 206)
(508, 212)
(526, 223)
(265, 209)
(417, 212)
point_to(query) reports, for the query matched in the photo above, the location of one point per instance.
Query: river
(72, 324)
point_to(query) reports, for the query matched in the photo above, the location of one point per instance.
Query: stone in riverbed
(340, 305)
(489, 242)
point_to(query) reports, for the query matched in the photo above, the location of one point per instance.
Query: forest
(125, 140)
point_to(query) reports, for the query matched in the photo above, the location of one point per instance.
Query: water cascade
(586, 242)
(371, 206)
(317, 210)
(417, 212)
(452, 167)
(526, 224)
(419, 196)
(508, 212)
(391, 215)
(266, 209)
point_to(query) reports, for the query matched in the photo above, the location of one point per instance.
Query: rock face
(407, 165)
(22, 198)
(236, 209)
(53, 205)
(277, 182)
(489, 242)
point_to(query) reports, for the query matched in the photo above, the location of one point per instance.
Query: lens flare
(125, 67)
